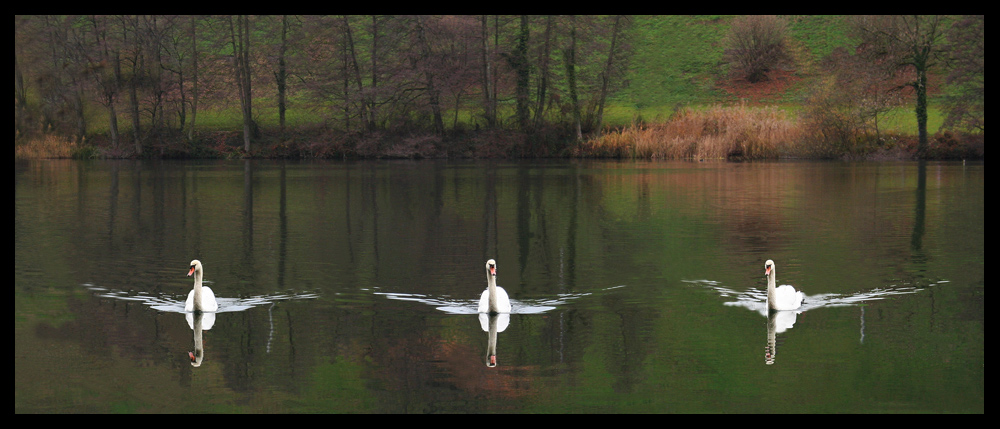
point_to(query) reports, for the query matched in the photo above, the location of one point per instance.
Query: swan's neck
(197, 290)
(491, 281)
(770, 288)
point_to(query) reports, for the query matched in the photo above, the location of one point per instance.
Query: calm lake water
(349, 287)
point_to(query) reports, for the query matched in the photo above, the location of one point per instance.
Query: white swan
(784, 297)
(494, 298)
(201, 298)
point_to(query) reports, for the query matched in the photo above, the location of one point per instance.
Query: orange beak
(191, 271)
(767, 270)
(493, 271)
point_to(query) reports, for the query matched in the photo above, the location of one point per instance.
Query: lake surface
(638, 287)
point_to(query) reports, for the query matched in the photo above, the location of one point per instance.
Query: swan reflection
(199, 345)
(198, 321)
(493, 324)
(779, 321)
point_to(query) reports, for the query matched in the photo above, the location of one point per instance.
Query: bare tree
(914, 43)
(105, 67)
(240, 38)
(519, 62)
(569, 60)
(756, 45)
(614, 67)
(543, 71)
(966, 101)
(433, 93)
(281, 76)
(489, 101)
(194, 78)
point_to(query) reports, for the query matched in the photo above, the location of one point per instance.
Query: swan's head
(195, 266)
(491, 267)
(493, 361)
(768, 267)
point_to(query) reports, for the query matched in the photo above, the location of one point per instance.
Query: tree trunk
(570, 57)
(606, 75)
(20, 97)
(240, 37)
(432, 91)
(281, 76)
(921, 110)
(113, 124)
(355, 69)
(520, 65)
(133, 100)
(490, 115)
(543, 73)
(194, 78)
(374, 84)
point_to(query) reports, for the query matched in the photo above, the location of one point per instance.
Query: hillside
(674, 64)
(678, 61)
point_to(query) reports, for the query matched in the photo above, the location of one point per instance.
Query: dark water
(351, 287)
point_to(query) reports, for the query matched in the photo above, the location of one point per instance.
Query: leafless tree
(914, 43)
(966, 73)
(755, 45)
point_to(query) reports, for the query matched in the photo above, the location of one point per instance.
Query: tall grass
(718, 132)
(44, 146)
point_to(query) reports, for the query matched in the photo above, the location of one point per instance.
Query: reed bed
(718, 132)
(44, 146)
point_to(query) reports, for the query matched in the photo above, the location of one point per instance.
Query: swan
(201, 298)
(494, 298)
(781, 298)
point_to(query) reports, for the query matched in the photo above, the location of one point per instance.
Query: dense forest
(494, 85)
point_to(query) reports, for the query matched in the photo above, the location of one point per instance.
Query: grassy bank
(735, 132)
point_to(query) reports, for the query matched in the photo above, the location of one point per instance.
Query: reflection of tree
(917, 238)
(246, 261)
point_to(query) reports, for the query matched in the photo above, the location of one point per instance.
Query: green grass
(676, 60)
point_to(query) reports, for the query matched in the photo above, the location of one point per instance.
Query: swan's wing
(484, 302)
(208, 299)
(189, 304)
(503, 302)
(785, 289)
(787, 298)
(502, 295)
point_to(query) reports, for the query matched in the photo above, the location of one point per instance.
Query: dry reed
(44, 146)
(719, 132)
